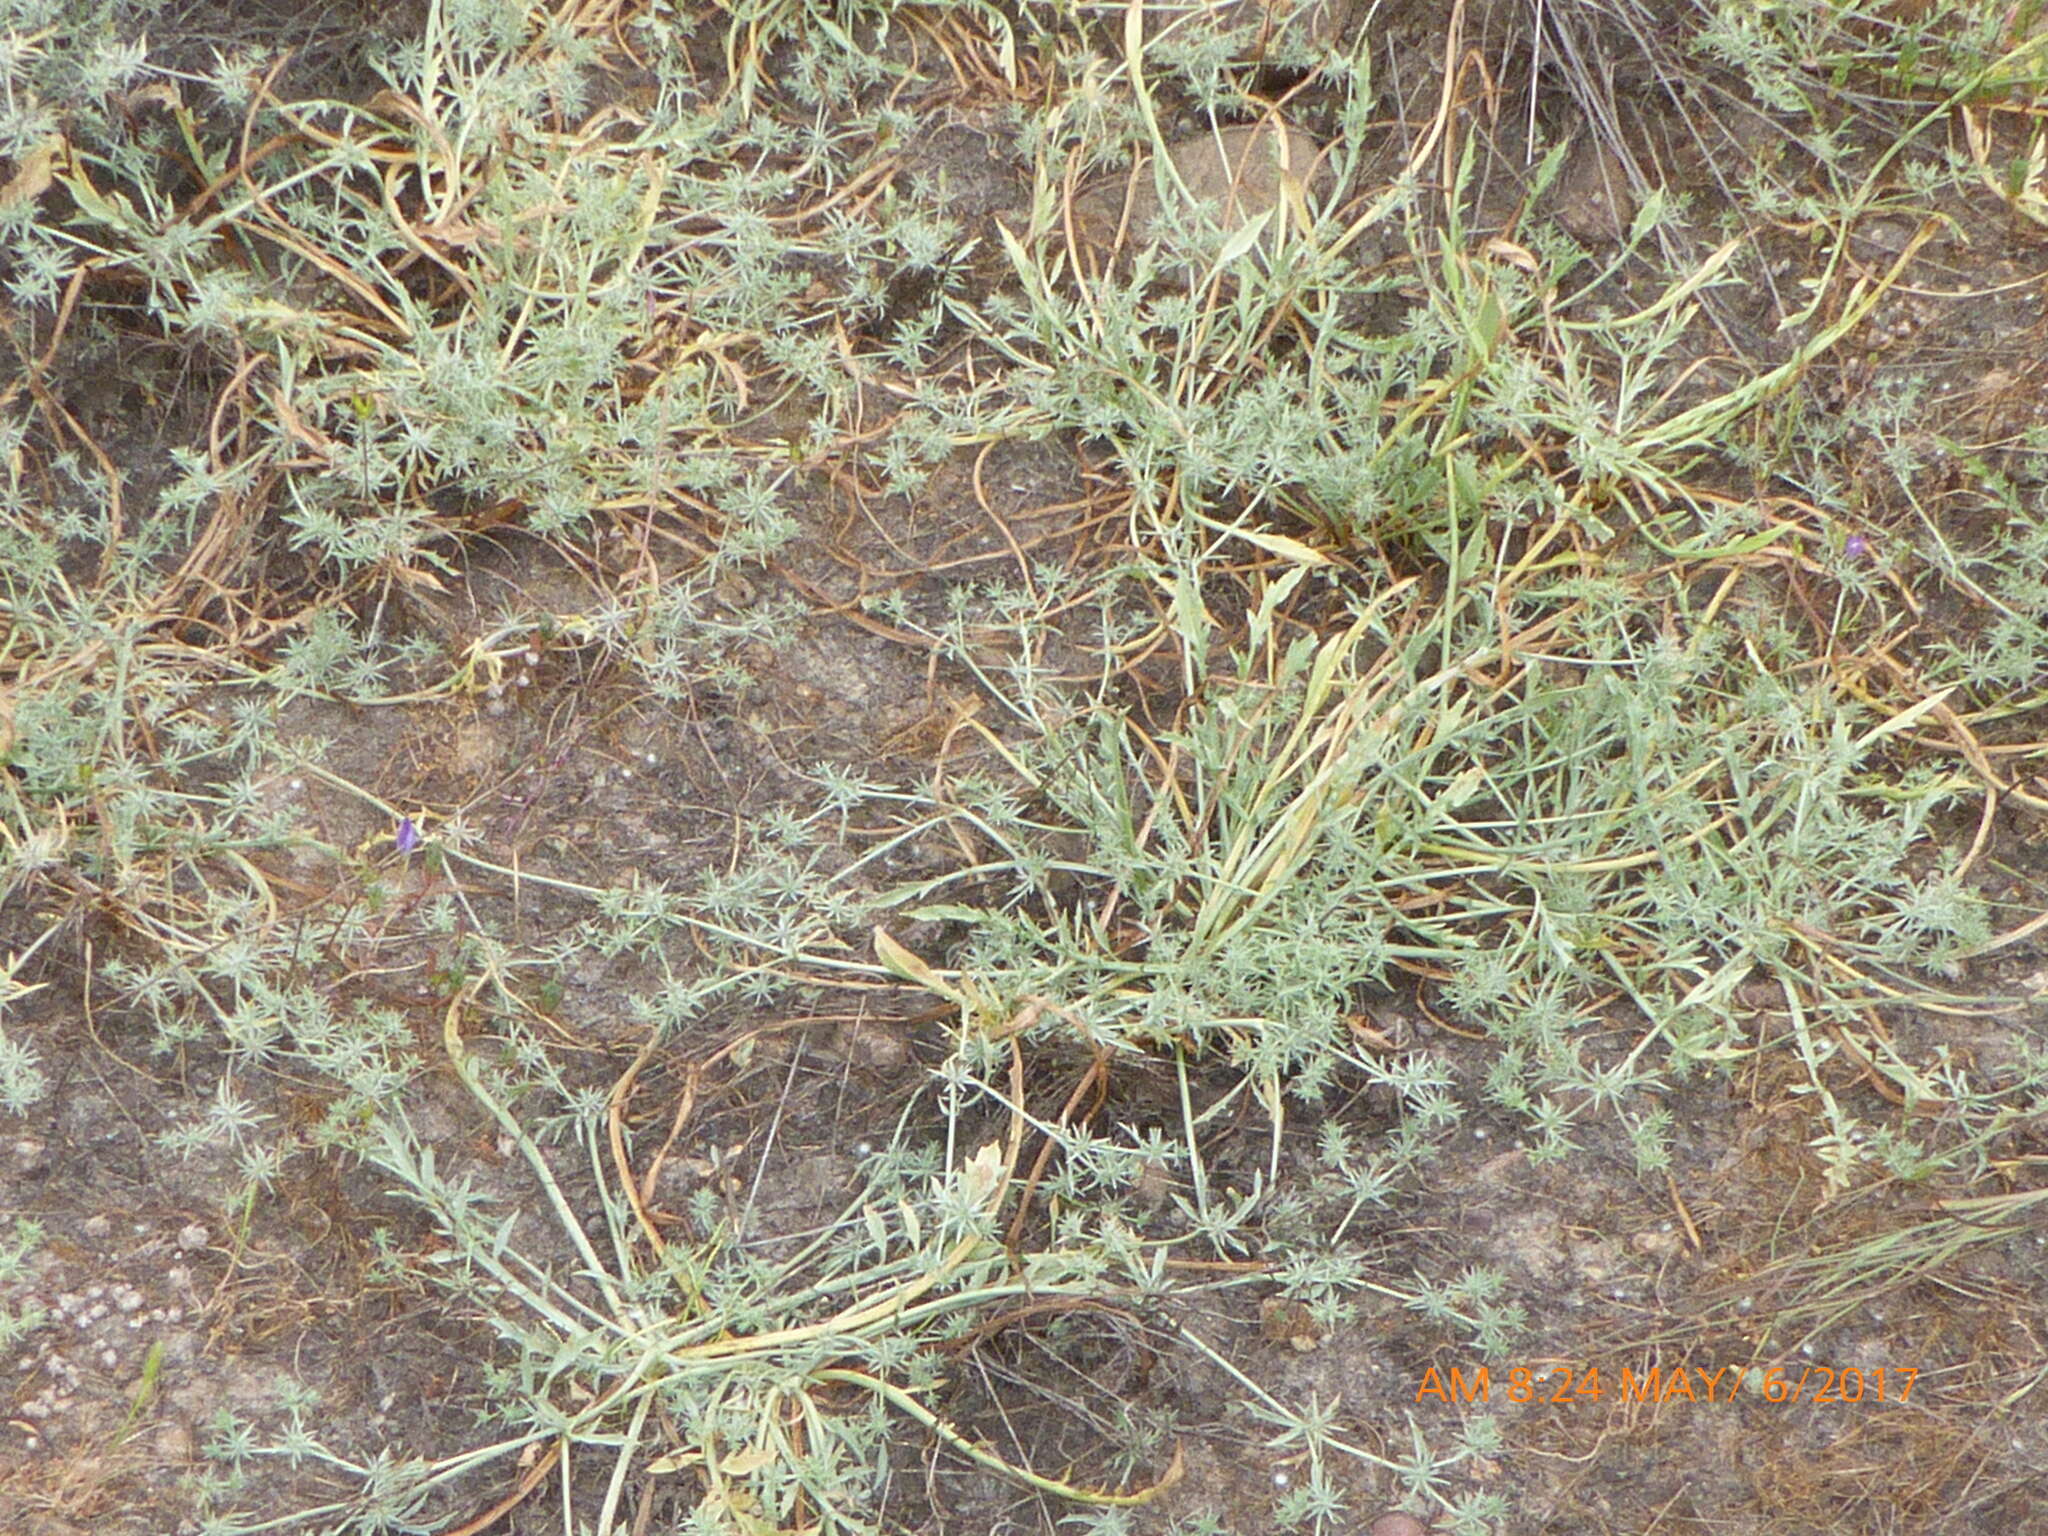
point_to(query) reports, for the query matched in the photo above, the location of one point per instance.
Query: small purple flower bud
(408, 837)
(1857, 547)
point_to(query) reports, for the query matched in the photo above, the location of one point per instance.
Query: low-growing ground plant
(1475, 626)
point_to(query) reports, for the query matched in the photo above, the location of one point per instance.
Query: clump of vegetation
(1474, 623)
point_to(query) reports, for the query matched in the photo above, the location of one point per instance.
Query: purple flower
(408, 837)
(1857, 547)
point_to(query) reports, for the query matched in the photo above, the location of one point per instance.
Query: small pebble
(192, 1237)
(1395, 1523)
(876, 1046)
(173, 1443)
(97, 1226)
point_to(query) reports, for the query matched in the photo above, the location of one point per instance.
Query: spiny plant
(777, 1367)
(1648, 815)
(1484, 679)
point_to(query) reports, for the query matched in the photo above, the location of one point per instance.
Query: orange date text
(1572, 1385)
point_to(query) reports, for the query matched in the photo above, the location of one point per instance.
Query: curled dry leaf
(34, 173)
